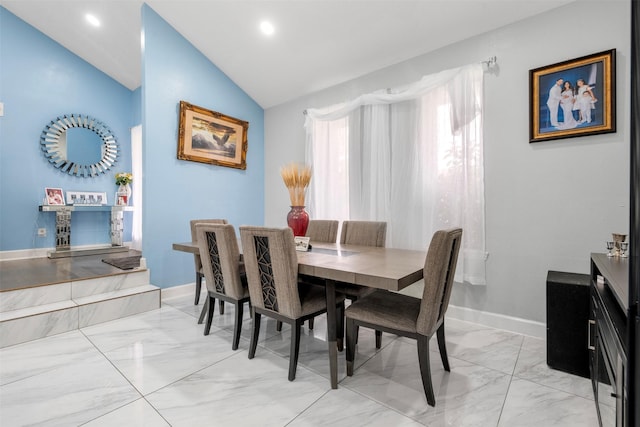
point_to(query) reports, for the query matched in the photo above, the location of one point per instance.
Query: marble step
(52, 293)
(42, 320)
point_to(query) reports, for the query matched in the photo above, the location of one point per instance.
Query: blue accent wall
(176, 191)
(39, 81)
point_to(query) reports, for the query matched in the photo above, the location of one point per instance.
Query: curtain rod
(491, 61)
(487, 65)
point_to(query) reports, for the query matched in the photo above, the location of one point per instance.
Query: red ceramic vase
(298, 220)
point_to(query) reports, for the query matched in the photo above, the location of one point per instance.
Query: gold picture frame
(207, 136)
(573, 98)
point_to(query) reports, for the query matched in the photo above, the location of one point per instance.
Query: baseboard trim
(499, 321)
(178, 291)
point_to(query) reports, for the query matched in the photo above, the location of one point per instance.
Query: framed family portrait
(54, 196)
(573, 98)
(207, 136)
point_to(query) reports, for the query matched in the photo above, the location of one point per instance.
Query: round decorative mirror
(79, 145)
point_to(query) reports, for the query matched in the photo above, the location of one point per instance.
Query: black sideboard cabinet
(567, 319)
(608, 348)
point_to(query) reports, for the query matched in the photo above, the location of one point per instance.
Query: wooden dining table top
(383, 268)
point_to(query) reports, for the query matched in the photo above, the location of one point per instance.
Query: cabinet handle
(590, 346)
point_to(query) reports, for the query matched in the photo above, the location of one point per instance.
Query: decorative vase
(298, 220)
(124, 194)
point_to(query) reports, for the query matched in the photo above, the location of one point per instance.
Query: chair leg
(212, 304)
(442, 345)
(310, 323)
(221, 307)
(352, 335)
(295, 349)
(278, 326)
(205, 309)
(254, 334)
(237, 327)
(198, 287)
(425, 369)
(340, 326)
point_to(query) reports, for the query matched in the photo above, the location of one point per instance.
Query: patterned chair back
(220, 258)
(194, 235)
(271, 264)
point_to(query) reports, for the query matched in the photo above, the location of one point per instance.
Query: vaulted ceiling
(316, 43)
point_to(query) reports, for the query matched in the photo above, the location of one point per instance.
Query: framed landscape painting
(573, 98)
(207, 136)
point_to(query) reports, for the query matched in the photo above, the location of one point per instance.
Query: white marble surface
(65, 392)
(158, 369)
(39, 295)
(84, 288)
(38, 326)
(530, 404)
(120, 306)
(139, 414)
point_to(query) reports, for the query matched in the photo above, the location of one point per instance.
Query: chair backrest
(271, 264)
(220, 258)
(439, 269)
(364, 233)
(194, 236)
(323, 230)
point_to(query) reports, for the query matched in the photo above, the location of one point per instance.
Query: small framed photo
(573, 98)
(206, 136)
(54, 196)
(302, 243)
(86, 198)
(121, 200)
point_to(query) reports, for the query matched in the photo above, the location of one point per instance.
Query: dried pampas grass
(296, 178)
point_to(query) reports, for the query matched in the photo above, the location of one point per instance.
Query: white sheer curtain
(411, 156)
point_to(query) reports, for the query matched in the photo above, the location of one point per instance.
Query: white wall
(548, 205)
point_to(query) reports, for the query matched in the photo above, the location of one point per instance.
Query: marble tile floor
(157, 369)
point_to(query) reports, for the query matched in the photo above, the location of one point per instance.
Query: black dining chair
(411, 317)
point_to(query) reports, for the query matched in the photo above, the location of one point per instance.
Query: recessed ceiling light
(267, 28)
(91, 19)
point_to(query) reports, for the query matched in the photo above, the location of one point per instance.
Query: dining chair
(412, 317)
(271, 264)
(196, 257)
(362, 233)
(224, 272)
(323, 230)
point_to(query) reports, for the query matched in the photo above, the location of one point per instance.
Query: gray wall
(548, 205)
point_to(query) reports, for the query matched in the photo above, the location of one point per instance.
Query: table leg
(330, 287)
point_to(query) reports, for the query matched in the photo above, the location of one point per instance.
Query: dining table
(382, 268)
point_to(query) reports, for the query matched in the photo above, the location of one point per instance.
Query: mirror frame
(50, 145)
